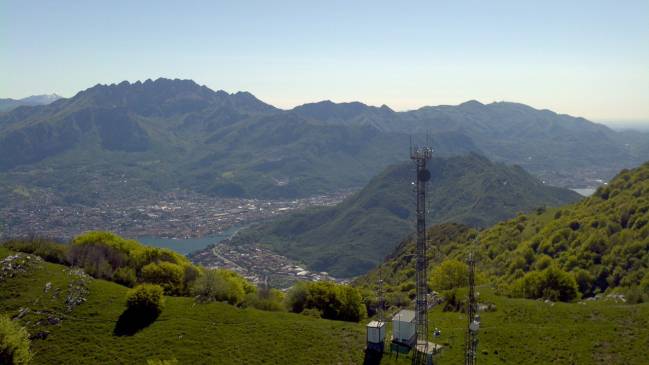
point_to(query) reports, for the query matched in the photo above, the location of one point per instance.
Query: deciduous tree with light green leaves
(450, 274)
(14, 343)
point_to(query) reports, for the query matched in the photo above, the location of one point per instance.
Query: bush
(97, 260)
(146, 299)
(221, 285)
(312, 312)
(48, 250)
(190, 275)
(644, 283)
(296, 297)
(266, 299)
(449, 275)
(169, 276)
(333, 301)
(14, 343)
(585, 281)
(551, 283)
(125, 276)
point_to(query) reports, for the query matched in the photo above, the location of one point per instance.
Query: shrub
(48, 250)
(14, 343)
(296, 297)
(220, 285)
(146, 299)
(449, 275)
(312, 312)
(333, 301)
(190, 275)
(543, 262)
(266, 299)
(644, 283)
(551, 283)
(585, 281)
(169, 276)
(125, 276)
(97, 260)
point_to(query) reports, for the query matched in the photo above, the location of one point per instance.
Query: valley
(165, 216)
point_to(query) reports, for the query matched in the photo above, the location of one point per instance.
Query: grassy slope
(520, 331)
(217, 333)
(533, 332)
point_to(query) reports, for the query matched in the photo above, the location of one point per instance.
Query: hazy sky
(586, 58)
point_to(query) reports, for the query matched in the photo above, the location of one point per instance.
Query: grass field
(519, 331)
(192, 334)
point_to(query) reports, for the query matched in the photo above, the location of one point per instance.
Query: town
(257, 264)
(171, 215)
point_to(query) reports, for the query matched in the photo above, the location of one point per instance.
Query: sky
(584, 58)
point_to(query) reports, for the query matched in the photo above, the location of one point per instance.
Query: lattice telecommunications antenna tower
(423, 354)
(473, 319)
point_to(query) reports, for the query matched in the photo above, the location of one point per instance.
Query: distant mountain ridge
(352, 237)
(541, 141)
(165, 134)
(9, 104)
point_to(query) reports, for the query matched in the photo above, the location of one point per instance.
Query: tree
(14, 343)
(146, 299)
(644, 283)
(125, 276)
(296, 297)
(449, 275)
(585, 281)
(551, 283)
(169, 276)
(331, 300)
(220, 285)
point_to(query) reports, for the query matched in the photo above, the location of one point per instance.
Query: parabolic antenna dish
(474, 326)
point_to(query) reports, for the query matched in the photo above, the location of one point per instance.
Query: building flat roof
(405, 315)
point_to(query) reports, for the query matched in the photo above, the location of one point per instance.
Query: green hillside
(354, 236)
(188, 332)
(602, 241)
(216, 333)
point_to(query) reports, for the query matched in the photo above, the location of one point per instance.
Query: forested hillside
(352, 237)
(600, 244)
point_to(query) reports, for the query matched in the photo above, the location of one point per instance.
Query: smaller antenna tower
(376, 329)
(381, 301)
(473, 319)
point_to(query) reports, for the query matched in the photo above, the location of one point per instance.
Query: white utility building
(376, 335)
(404, 328)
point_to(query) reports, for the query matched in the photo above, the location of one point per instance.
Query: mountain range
(9, 104)
(175, 134)
(352, 237)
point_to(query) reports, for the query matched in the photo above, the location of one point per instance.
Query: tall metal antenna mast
(380, 309)
(473, 320)
(421, 155)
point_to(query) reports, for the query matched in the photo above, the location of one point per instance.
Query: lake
(585, 191)
(185, 246)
